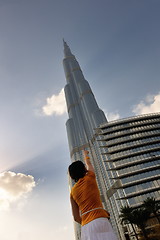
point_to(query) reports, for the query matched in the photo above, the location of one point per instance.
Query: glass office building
(132, 147)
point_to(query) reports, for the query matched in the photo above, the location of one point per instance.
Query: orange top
(86, 194)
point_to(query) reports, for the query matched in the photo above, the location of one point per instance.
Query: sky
(117, 44)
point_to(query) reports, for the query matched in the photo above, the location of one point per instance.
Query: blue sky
(117, 44)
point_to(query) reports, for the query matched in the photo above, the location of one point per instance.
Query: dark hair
(77, 170)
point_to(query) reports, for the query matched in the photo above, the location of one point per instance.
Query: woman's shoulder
(91, 174)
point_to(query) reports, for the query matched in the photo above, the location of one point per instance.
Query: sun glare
(4, 194)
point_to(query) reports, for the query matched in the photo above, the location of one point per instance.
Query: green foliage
(139, 216)
(152, 206)
(126, 214)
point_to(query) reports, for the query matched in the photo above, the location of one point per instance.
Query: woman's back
(86, 194)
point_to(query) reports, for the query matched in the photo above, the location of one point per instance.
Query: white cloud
(13, 186)
(112, 116)
(150, 105)
(55, 104)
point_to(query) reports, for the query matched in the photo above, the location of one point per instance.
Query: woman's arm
(75, 211)
(87, 161)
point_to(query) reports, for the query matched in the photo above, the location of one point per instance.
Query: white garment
(98, 229)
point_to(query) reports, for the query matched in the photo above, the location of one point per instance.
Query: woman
(87, 208)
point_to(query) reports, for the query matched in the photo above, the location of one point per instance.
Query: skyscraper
(125, 153)
(84, 117)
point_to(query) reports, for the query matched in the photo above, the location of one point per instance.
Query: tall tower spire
(84, 113)
(67, 51)
(84, 117)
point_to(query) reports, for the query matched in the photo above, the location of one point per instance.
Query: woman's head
(77, 170)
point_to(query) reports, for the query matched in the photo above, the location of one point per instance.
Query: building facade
(132, 147)
(87, 127)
